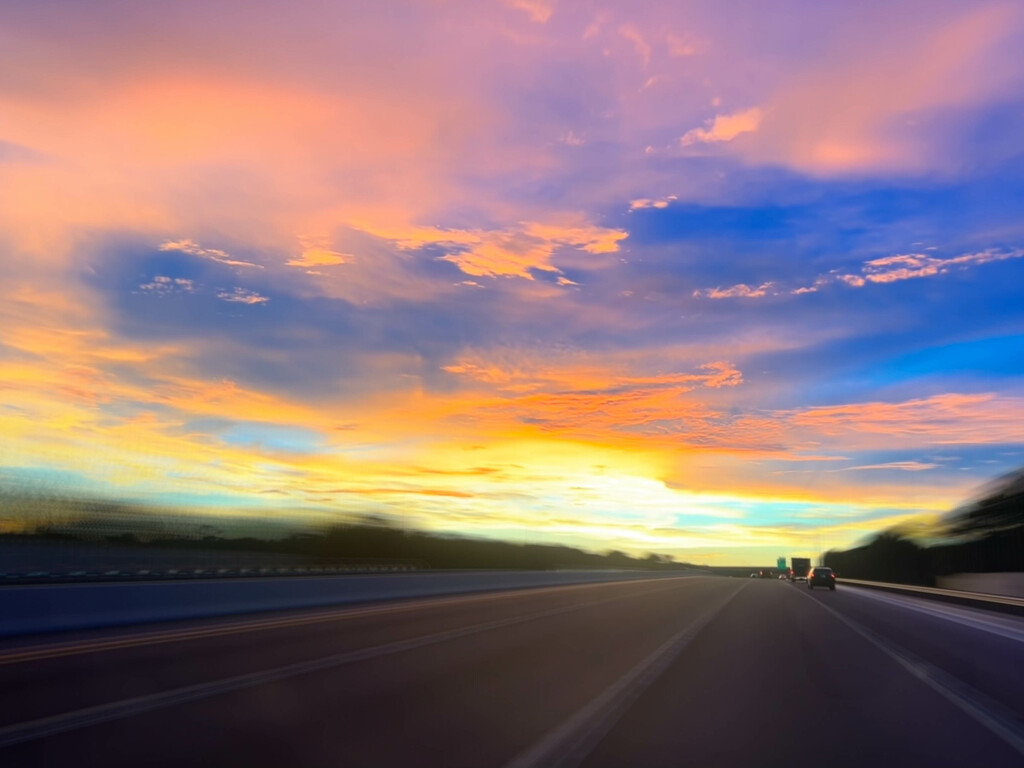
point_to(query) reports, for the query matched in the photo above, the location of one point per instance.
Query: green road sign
(781, 564)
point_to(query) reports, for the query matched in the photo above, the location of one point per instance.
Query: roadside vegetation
(985, 535)
(79, 535)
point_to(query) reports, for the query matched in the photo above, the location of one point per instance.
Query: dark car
(821, 577)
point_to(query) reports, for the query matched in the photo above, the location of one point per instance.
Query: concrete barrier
(51, 608)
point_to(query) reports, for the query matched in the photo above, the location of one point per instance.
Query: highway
(694, 671)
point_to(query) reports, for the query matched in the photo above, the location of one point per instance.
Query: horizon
(658, 279)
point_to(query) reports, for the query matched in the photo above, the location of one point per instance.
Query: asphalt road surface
(698, 671)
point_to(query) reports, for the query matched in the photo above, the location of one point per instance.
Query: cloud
(504, 254)
(723, 128)
(213, 254)
(580, 398)
(162, 285)
(684, 46)
(318, 257)
(518, 372)
(539, 11)
(644, 202)
(884, 102)
(890, 269)
(579, 234)
(854, 281)
(813, 288)
(906, 466)
(642, 47)
(512, 252)
(242, 296)
(737, 291)
(879, 271)
(947, 419)
(453, 212)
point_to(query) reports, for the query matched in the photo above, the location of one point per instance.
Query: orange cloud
(938, 420)
(724, 128)
(202, 144)
(517, 370)
(318, 257)
(511, 252)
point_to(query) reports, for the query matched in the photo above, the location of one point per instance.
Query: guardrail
(1003, 603)
(192, 571)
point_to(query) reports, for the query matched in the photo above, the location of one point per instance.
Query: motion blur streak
(93, 715)
(169, 636)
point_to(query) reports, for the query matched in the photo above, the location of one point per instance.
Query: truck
(799, 568)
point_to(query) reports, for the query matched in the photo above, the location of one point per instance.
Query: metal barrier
(215, 571)
(957, 595)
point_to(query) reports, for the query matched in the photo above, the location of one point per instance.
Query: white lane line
(990, 714)
(949, 613)
(73, 648)
(81, 718)
(568, 744)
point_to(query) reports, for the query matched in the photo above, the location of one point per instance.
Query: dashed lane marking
(568, 744)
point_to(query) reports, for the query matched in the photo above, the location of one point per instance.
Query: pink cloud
(855, 110)
(538, 10)
(741, 291)
(213, 254)
(906, 466)
(885, 269)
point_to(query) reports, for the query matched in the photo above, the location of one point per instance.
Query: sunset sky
(723, 280)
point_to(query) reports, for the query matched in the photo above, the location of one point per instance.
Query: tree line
(985, 535)
(365, 539)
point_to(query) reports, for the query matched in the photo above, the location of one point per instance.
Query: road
(698, 671)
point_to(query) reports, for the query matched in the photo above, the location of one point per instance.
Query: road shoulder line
(943, 611)
(979, 707)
